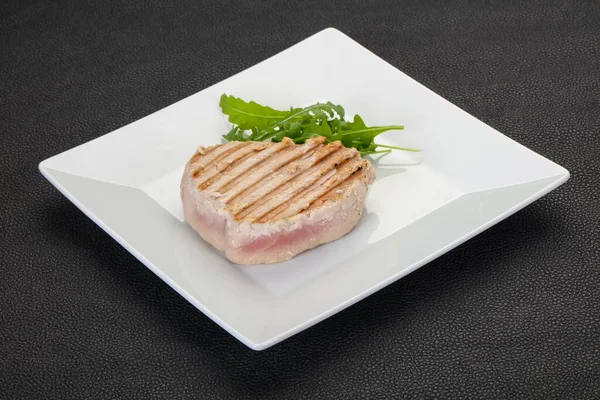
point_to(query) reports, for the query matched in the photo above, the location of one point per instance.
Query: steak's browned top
(263, 182)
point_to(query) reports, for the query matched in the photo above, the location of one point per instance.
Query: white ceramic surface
(469, 177)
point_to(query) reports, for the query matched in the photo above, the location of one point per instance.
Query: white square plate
(469, 178)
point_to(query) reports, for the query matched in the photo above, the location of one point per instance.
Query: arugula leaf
(369, 152)
(289, 129)
(247, 115)
(318, 111)
(358, 134)
(235, 135)
(300, 124)
(314, 128)
(397, 148)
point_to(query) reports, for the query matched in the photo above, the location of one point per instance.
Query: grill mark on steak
(225, 161)
(262, 182)
(334, 193)
(251, 182)
(283, 206)
(249, 164)
(201, 152)
(278, 179)
(219, 152)
(257, 173)
(304, 181)
(345, 171)
(208, 185)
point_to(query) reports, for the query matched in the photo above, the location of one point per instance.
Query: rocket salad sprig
(254, 122)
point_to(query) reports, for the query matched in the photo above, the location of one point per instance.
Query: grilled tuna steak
(267, 202)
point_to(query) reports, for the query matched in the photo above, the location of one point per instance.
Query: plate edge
(561, 179)
(236, 334)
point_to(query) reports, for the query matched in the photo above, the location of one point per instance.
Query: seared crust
(267, 202)
(266, 182)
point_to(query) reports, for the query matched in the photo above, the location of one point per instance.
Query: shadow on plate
(281, 278)
(386, 165)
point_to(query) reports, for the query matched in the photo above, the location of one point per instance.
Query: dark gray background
(515, 312)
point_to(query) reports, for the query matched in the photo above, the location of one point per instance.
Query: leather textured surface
(513, 313)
